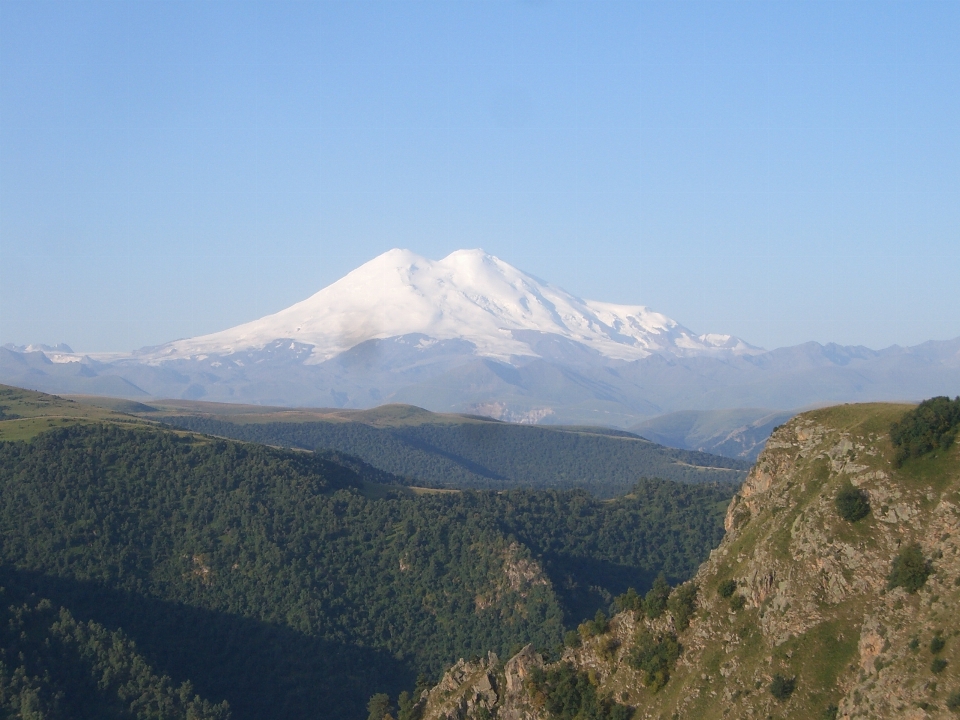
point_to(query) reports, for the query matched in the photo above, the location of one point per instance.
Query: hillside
(834, 594)
(25, 413)
(294, 584)
(456, 451)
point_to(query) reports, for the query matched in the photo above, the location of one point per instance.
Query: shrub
(937, 643)
(570, 694)
(830, 712)
(727, 588)
(953, 700)
(782, 687)
(852, 503)
(683, 604)
(910, 569)
(654, 656)
(738, 602)
(937, 666)
(608, 649)
(572, 639)
(932, 424)
(655, 601)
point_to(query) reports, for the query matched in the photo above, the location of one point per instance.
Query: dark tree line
(489, 456)
(288, 585)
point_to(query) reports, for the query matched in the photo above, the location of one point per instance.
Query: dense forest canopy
(488, 455)
(55, 668)
(295, 584)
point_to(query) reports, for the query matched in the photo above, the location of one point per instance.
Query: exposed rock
(465, 689)
(518, 668)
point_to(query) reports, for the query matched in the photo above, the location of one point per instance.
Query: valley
(161, 566)
(297, 584)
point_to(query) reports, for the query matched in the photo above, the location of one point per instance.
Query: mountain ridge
(472, 334)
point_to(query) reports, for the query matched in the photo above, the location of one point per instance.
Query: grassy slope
(25, 413)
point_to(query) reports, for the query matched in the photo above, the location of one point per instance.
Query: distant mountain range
(470, 333)
(735, 433)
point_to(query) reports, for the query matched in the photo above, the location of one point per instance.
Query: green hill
(294, 584)
(468, 452)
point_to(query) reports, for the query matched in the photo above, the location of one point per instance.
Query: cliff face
(809, 627)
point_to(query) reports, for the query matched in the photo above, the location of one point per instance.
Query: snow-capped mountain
(470, 333)
(470, 296)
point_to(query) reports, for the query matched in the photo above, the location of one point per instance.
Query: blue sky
(782, 171)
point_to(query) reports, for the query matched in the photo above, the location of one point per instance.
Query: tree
(910, 569)
(683, 604)
(404, 706)
(630, 600)
(655, 657)
(782, 687)
(379, 706)
(655, 601)
(852, 503)
(932, 424)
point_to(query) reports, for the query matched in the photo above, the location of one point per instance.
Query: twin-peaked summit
(470, 333)
(469, 296)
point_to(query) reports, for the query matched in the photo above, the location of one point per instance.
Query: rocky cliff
(834, 594)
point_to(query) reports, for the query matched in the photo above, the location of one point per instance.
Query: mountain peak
(469, 254)
(468, 295)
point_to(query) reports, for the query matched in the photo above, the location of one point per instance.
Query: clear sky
(782, 171)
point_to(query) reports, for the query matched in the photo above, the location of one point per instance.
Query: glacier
(469, 295)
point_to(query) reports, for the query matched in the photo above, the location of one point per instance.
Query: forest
(489, 455)
(291, 584)
(56, 668)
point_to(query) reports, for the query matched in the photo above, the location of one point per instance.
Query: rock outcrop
(796, 616)
(483, 689)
